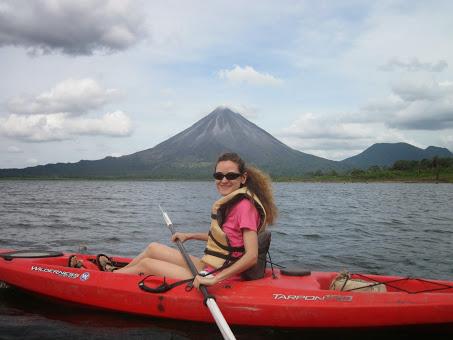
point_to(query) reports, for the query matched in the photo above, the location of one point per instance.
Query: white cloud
(113, 124)
(167, 92)
(74, 96)
(311, 126)
(250, 112)
(60, 126)
(424, 115)
(248, 75)
(331, 149)
(34, 128)
(415, 104)
(57, 114)
(327, 136)
(413, 35)
(378, 110)
(71, 27)
(168, 104)
(14, 149)
(412, 89)
(447, 140)
(338, 148)
(446, 83)
(414, 65)
(336, 137)
(247, 111)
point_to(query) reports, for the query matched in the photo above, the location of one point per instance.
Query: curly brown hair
(258, 182)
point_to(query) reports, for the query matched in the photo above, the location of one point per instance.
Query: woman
(246, 208)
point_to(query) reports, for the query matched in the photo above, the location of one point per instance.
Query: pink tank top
(243, 215)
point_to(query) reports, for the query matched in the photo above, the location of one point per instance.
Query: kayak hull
(283, 301)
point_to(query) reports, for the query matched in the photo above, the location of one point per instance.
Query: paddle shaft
(188, 260)
(209, 300)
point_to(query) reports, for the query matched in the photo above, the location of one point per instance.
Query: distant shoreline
(339, 179)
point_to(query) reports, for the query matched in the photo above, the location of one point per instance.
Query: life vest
(219, 252)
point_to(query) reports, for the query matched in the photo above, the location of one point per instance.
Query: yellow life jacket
(218, 250)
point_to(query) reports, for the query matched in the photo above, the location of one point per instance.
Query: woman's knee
(153, 249)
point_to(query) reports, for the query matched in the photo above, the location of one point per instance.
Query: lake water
(391, 228)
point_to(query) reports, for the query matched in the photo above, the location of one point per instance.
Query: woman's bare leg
(149, 266)
(166, 254)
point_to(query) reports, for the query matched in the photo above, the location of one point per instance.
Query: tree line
(434, 163)
(437, 168)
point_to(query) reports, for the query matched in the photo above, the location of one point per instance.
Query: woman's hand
(205, 281)
(183, 237)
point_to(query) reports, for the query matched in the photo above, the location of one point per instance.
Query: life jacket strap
(227, 248)
(229, 258)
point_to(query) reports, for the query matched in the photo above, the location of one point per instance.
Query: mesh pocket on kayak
(344, 282)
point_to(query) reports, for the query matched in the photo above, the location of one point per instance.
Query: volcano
(191, 154)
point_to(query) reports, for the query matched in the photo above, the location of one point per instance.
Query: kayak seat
(258, 270)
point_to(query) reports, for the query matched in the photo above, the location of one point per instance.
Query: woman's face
(225, 186)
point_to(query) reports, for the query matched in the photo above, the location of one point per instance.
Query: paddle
(209, 299)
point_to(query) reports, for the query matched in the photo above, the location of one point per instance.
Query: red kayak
(287, 299)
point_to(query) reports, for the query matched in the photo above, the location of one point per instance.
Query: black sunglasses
(229, 176)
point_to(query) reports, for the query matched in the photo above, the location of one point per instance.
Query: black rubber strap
(216, 254)
(227, 248)
(164, 287)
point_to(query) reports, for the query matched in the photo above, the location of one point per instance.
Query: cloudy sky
(88, 79)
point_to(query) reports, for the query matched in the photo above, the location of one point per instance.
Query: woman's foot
(105, 263)
(74, 262)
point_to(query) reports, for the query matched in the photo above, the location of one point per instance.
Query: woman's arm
(245, 262)
(189, 236)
